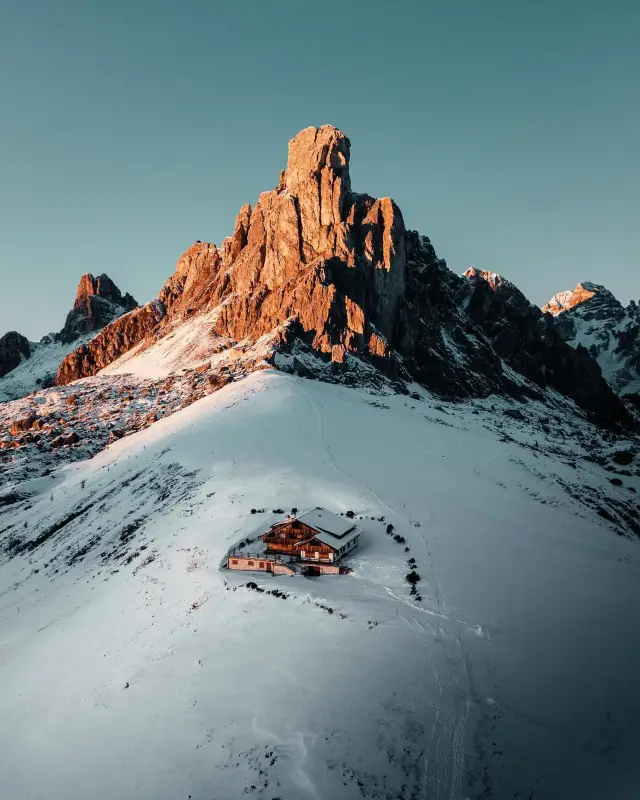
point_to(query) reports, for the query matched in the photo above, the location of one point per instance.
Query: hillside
(322, 355)
(129, 655)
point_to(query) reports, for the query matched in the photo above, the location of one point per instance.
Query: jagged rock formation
(336, 273)
(120, 336)
(13, 348)
(25, 366)
(98, 302)
(592, 318)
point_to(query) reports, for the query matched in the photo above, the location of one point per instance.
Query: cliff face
(118, 337)
(337, 274)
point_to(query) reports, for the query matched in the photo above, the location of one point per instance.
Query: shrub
(389, 528)
(278, 511)
(350, 514)
(294, 510)
(412, 577)
(254, 511)
(399, 539)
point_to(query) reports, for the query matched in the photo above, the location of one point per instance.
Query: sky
(506, 131)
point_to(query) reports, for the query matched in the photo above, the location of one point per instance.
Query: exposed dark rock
(13, 348)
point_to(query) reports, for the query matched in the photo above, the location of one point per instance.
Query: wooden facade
(295, 538)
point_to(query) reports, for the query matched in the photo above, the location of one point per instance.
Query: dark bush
(389, 528)
(623, 457)
(350, 514)
(278, 511)
(294, 510)
(399, 539)
(615, 481)
(254, 511)
(412, 577)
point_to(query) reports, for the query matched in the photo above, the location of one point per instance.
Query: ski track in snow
(444, 762)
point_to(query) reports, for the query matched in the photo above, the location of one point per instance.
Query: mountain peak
(98, 301)
(568, 299)
(315, 151)
(492, 278)
(102, 286)
(330, 277)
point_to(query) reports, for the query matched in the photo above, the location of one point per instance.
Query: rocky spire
(98, 301)
(316, 265)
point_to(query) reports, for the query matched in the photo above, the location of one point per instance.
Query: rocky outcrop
(317, 266)
(23, 424)
(118, 337)
(98, 302)
(13, 348)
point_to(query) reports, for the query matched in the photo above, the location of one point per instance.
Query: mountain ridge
(333, 273)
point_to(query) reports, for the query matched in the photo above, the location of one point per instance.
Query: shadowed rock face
(337, 272)
(98, 302)
(13, 348)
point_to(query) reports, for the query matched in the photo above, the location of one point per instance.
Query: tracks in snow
(444, 761)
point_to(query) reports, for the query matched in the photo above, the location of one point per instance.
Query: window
(262, 565)
(251, 563)
(234, 560)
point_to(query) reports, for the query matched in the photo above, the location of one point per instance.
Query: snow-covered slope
(40, 368)
(133, 667)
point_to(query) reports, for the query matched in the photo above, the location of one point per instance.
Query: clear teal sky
(506, 130)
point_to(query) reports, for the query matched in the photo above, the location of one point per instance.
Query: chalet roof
(335, 541)
(324, 521)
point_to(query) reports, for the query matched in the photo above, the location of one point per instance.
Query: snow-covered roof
(335, 541)
(322, 520)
